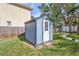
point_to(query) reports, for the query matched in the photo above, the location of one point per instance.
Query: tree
(59, 13)
(53, 12)
(75, 12)
(68, 8)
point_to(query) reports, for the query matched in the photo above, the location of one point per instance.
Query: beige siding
(15, 14)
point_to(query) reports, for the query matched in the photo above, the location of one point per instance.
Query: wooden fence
(66, 28)
(6, 31)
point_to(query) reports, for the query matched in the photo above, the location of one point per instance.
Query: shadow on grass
(22, 38)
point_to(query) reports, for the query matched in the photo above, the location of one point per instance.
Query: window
(9, 23)
(46, 26)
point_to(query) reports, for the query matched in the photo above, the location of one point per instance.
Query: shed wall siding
(14, 14)
(30, 32)
(39, 32)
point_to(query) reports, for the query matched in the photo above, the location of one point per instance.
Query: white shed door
(45, 30)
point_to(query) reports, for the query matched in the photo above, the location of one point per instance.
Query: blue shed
(39, 31)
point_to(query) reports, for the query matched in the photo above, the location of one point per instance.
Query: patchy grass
(13, 47)
(18, 47)
(74, 36)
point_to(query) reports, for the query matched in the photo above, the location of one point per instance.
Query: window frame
(9, 23)
(46, 25)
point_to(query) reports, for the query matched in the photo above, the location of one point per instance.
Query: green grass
(74, 36)
(13, 47)
(18, 47)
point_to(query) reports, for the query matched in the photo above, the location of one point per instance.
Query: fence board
(66, 28)
(6, 31)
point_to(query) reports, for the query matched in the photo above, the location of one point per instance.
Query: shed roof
(30, 21)
(37, 18)
(22, 6)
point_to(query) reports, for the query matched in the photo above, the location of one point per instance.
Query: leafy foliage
(61, 14)
(53, 12)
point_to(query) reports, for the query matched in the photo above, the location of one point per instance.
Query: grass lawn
(75, 36)
(18, 47)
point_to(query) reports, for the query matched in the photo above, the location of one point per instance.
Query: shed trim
(42, 31)
(35, 33)
(29, 21)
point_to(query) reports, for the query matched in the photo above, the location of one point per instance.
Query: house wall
(15, 14)
(30, 32)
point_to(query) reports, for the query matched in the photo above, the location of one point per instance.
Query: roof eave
(22, 6)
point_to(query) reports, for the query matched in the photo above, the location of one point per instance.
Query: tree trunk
(78, 29)
(60, 29)
(69, 25)
(70, 28)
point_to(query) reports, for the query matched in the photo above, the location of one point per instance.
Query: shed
(39, 31)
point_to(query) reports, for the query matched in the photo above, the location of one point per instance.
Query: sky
(36, 11)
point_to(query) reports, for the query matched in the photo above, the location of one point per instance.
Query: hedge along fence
(7, 31)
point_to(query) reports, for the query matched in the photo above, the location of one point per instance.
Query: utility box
(39, 31)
